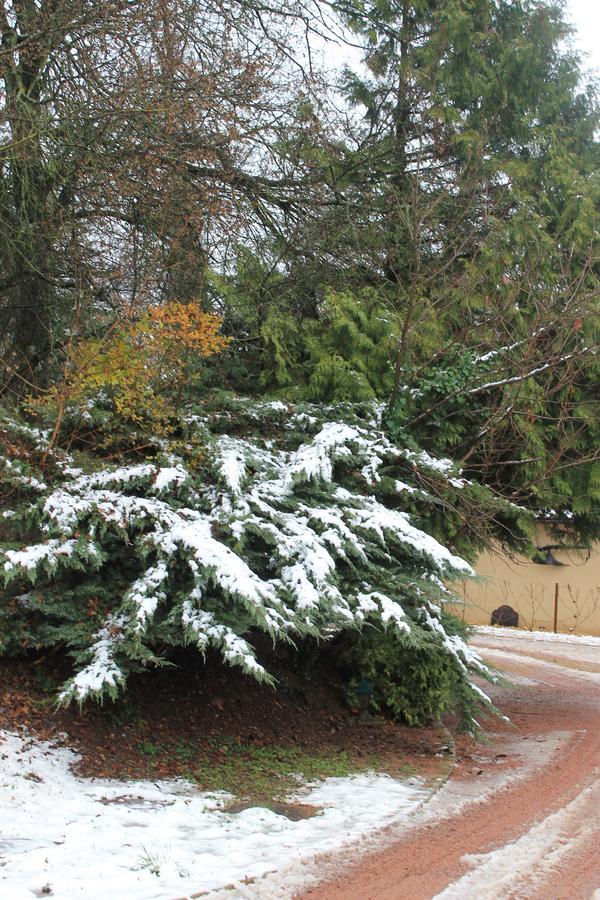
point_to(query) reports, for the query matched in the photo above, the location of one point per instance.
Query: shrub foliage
(306, 525)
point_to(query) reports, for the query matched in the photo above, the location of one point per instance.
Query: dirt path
(520, 816)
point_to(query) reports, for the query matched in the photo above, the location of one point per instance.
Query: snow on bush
(293, 529)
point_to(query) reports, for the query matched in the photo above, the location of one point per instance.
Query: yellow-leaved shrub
(142, 365)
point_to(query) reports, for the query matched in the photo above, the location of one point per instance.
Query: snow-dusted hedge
(296, 528)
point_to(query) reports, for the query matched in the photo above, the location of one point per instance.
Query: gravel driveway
(519, 818)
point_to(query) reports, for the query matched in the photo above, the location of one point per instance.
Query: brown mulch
(170, 719)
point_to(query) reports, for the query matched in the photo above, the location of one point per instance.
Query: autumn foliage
(142, 365)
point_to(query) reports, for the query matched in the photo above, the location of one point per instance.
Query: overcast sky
(585, 15)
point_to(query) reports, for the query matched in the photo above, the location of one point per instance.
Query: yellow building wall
(530, 588)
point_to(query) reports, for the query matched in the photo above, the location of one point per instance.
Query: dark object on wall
(545, 557)
(505, 615)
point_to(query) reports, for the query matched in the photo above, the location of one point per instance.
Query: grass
(150, 749)
(247, 770)
(408, 770)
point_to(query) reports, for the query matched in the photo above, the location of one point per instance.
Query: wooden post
(556, 607)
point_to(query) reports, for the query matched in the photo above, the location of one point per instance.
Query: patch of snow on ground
(533, 857)
(578, 667)
(544, 636)
(576, 652)
(96, 839)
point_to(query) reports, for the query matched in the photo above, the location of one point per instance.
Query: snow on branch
(48, 556)
(513, 379)
(204, 630)
(290, 537)
(101, 674)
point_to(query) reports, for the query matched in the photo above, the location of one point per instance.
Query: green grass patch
(247, 770)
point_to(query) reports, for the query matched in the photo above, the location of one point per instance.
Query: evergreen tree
(465, 203)
(312, 524)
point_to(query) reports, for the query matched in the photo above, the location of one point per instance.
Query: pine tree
(306, 526)
(465, 200)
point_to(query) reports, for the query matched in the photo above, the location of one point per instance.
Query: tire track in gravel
(533, 837)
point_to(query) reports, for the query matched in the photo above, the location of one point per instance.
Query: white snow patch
(314, 460)
(533, 857)
(169, 476)
(146, 593)
(402, 486)
(543, 636)
(102, 669)
(32, 556)
(380, 519)
(95, 839)
(501, 656)
(233, 464)
(423, 458)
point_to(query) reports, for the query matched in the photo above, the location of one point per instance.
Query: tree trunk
(29, 300)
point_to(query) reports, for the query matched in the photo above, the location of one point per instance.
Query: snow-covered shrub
(289, 522)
